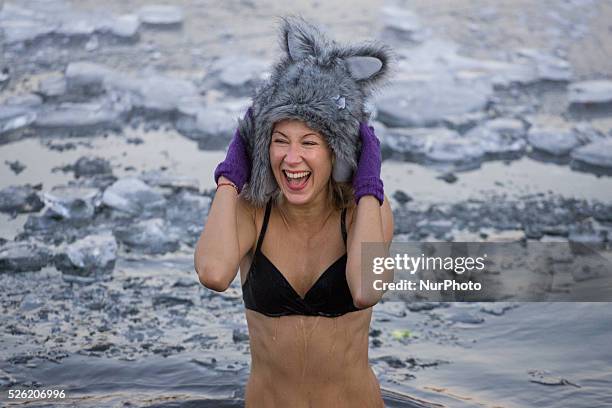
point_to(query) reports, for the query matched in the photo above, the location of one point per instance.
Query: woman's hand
(236, 167)
(366, 180)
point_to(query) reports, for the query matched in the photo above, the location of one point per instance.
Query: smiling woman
(295, 151)
(298, 194)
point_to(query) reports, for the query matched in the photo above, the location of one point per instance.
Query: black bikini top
(267, 291)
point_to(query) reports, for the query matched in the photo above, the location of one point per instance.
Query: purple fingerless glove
(366, 180)
(236, 166)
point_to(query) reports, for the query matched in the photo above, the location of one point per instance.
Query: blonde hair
(341, 195)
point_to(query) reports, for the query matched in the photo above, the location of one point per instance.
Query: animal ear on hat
(368, 64)
(363, 67)
(300, 38)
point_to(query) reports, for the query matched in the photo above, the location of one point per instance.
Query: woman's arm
(230, 228)
(372, 223)
(373, 227)
(227, 237)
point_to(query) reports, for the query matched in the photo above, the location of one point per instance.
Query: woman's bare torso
(307, 361)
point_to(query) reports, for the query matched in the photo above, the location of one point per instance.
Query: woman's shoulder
(246, 208)
(249, 219)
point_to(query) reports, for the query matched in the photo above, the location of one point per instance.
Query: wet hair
(342, 194)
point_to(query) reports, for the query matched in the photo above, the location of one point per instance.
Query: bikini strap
(343, 225)
(264, 226)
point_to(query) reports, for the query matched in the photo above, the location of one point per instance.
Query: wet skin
(307, 361)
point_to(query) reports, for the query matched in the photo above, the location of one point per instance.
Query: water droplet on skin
(276, 328)
(304, 360)
(333, 346)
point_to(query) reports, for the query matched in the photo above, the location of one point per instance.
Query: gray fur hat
(321, 83)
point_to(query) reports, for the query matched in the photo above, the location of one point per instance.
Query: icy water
(181, 350)
(490, 361)
(495, 363)
(168, 149)
(462, 355)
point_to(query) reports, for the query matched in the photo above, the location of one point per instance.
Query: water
(501, 362)
(163, 148)
(495, 178)
(467, 365)
(159, 149)
(489, 366)
(483, 365)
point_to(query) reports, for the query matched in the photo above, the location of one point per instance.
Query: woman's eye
(280, 141)
(310, 143)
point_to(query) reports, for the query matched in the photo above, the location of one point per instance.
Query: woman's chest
(304, 269)
(301, 264)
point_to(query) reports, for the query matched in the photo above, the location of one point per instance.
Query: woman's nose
(293, 153)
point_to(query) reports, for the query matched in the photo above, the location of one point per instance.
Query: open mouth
(296, 180)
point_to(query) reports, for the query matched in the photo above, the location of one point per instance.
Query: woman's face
(301, 161)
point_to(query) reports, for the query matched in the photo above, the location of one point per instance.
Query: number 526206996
(36, 394)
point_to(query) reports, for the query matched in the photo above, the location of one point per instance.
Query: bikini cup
(267, 291)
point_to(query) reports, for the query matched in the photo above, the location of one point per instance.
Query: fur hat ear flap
(262, 184)
(342, 171)
(301, 39)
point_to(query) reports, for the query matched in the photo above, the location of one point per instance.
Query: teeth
(297, 175)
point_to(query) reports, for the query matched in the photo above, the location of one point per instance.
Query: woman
(308, 304)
